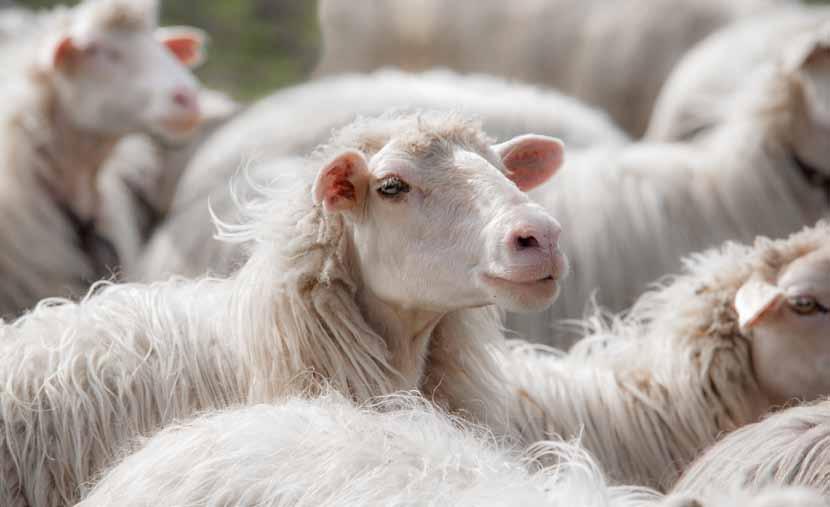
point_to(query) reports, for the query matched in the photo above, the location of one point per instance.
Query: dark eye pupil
(803, 304)
(392, 187)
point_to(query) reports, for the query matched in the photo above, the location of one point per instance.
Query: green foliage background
(256, 45)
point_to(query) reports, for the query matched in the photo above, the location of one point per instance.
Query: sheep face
(450, 227)
(119, 80)
(789, 322)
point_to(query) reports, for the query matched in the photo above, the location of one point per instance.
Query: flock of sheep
(359, 289)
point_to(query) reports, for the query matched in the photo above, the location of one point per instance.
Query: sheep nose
(528, 238)
(186, 99)
(523, 242)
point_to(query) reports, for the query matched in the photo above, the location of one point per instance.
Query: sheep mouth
(521, 285)
(181, 125)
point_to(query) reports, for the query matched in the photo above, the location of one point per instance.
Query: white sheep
(743, 330)
(639, 209)
(613, 55)
(373, 272)
(710, 74)
(791, 447)
(328, 452)
(70, 91)
(393, 452)
(293, 121)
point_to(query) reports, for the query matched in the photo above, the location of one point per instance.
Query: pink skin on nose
(533, 252)
(187, 100)
(186, 114)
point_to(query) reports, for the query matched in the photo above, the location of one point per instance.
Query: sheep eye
(393, 186)
(805, 305)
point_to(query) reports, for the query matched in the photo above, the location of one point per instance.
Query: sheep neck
(69, 158)
(407, 332)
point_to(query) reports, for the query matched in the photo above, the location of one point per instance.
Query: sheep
(742, 330)
(394, 451)
(290, 122)
(57, 129)
(329, 452)
(714, 70)
(612, 55)
(367, 272)
(789, 447)
(640, 208)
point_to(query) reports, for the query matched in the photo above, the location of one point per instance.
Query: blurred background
(256, 45)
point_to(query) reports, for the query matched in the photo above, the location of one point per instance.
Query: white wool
(631, 214)
(714, 74)
(766, 497)
(649, 390)
(81, 379)
(31, 271)
(613, 55)
(326, 452)
(790, 447)
(42, 255)
(291, 122)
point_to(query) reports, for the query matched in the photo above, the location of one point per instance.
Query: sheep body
(712, 72)
(790, 447)
(613, 55)
(327, 452)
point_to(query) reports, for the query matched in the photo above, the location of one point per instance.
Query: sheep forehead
(457, 166)
(809, 272)
(418, 134)
(95, 16)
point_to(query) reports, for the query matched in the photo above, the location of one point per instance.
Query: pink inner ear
(339, 186)
(533, 164)
(186, 48)
(63, 52)
(338, 192)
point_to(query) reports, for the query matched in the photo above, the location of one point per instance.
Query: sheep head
(787, 317)
(441, 224)
(115, 73)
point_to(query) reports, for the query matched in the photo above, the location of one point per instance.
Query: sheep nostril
(184, 99)
(525, 242)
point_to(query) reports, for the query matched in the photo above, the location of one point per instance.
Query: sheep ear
(754, 300)
(341, 184)
(809, 59)
(530, 159)
(59, 52)
(185, 42)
